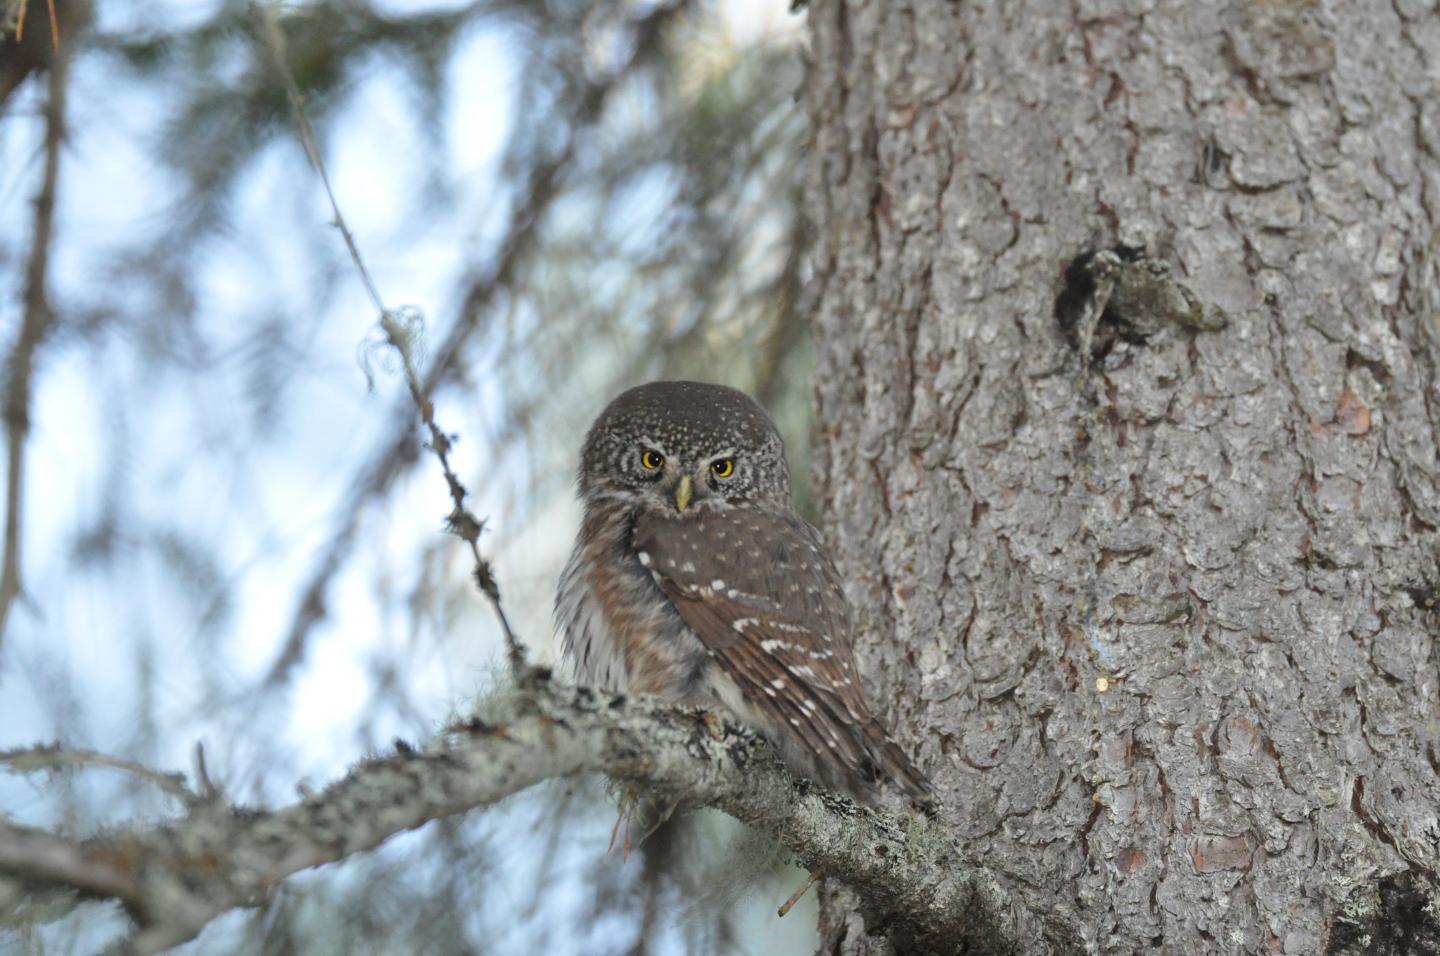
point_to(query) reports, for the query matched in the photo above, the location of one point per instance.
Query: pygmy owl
(693, 579)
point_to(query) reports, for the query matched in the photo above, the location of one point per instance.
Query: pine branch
(174, 878)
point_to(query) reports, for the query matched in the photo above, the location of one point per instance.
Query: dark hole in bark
(1078, 291)
(1389, 918)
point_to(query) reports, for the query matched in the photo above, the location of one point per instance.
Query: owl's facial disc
(718, 440)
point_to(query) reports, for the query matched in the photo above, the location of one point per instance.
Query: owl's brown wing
(758, 590)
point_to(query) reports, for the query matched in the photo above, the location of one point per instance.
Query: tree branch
(54, 758)
(34, 327)
(176, 877)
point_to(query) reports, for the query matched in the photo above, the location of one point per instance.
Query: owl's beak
(683, 491)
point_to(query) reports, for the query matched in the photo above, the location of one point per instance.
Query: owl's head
(686, 446)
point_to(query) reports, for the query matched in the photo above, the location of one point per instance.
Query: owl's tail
(893, 764)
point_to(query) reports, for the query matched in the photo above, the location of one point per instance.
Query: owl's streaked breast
(619, 631)
(593, 657)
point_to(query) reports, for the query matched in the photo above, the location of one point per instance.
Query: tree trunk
(1143, 564)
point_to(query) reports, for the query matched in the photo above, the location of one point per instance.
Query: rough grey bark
(1157, 621)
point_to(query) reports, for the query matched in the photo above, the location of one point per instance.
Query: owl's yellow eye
(652, 459)
(723, 468)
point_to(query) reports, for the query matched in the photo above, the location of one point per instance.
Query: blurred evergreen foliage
(642, 223)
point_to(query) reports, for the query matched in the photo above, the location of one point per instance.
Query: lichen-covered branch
(175, 877)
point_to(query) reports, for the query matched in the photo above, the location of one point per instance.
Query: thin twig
(34, 326)
(541, 186)
(208, 788)
(789, 904)
(54, 758)
(269, 18)
(460, 521)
